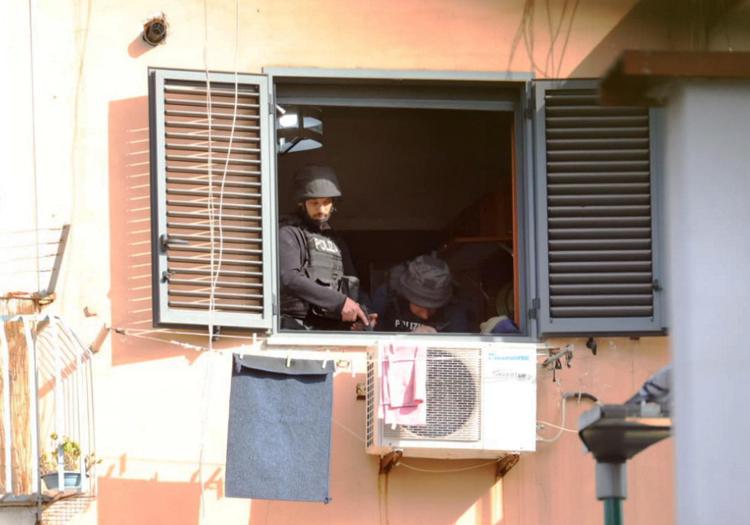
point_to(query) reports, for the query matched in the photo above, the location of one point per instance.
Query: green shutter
(202, 170)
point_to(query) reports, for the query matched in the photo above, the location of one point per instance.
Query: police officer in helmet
(419, 298)
(315, 264)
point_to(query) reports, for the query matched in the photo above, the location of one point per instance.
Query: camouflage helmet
(426, 281)
(315, 182)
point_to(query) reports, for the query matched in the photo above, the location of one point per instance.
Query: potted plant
(71, 455)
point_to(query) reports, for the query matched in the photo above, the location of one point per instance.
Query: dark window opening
(419, 181)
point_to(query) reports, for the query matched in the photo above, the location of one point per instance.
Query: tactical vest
(324, 265)
(401, 319)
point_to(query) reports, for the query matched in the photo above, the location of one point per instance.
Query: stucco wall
(157, 402)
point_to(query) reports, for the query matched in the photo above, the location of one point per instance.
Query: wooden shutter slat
(218, 271)
(602, 222)
(601, 255)
(203, 306)
(600, 278)
(216, 170)
(214, 149)
(214, 103)
(600, 211)
(220, 161)
(230, 250)
(592, 300)
(203, 135)
(214, 126)
(603, 120)
(598, 143)
(602, 311)
(619, 188)
(598, 132)
(197, 89)
(218, 115)
(207, 260)
(208, 227)
(215, 194)
(613, 165)
(598, 200)
(596, 289)
(598, 233)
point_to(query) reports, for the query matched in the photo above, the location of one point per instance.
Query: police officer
(314, 262)
(419, 298)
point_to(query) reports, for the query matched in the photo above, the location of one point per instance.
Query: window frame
(523, 172)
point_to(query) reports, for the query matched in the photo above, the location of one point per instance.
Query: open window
(543, 202)
(424, 168)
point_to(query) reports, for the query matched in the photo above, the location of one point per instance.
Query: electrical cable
(445, 471)
(33, 150)
(561, 427)
(214, 267)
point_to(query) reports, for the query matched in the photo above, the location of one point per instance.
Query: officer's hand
(351, 312)
(424, 329)
(359, 326)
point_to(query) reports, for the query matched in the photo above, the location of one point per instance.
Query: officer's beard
(319, 222)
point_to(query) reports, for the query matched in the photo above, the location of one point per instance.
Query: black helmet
(426, 281)
(315, 182)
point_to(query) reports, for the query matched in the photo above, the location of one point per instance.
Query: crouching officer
(315, 264)
(419, 298)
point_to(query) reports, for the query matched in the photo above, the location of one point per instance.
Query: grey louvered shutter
(209, 187)
(597, 243)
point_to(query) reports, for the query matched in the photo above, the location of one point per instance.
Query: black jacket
(298, 291)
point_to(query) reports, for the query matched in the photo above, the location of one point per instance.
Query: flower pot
(71, 480)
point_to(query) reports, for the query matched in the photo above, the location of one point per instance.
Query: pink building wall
(159, 403)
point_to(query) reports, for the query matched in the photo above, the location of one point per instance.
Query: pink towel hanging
(403, 384)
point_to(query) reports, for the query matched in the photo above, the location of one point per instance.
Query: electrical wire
(561, 428)
(445, 471)
(33, 149)
(215, 266)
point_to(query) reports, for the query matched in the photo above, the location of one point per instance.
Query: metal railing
(47, 410)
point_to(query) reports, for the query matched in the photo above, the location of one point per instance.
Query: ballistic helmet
(426, 282)
(315, 182)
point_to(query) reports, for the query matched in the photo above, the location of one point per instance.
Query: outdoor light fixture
(614, 434)
(155, 29)
(299, 129)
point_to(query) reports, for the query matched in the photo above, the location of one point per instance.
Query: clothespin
(288, 361)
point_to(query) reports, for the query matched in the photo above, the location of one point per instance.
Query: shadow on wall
(648, 25)
(131, 502)
(130, 223)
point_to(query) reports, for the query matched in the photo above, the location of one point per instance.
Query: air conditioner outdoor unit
(481, 403)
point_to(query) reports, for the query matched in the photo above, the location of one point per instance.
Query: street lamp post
(614, 434)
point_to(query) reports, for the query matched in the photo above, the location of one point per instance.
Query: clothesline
(258, 341)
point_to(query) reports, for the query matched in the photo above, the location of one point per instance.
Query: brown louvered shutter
(597, 241)
(209, 177)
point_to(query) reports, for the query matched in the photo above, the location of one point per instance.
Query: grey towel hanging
(279, 436)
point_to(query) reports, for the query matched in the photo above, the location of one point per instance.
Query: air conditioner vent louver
(453, 398)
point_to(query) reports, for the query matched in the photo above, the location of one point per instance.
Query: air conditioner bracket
(390, 460)
(504, 465)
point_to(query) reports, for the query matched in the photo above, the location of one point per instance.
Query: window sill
(370, 339)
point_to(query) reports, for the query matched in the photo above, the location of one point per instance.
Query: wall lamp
(299, 129)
